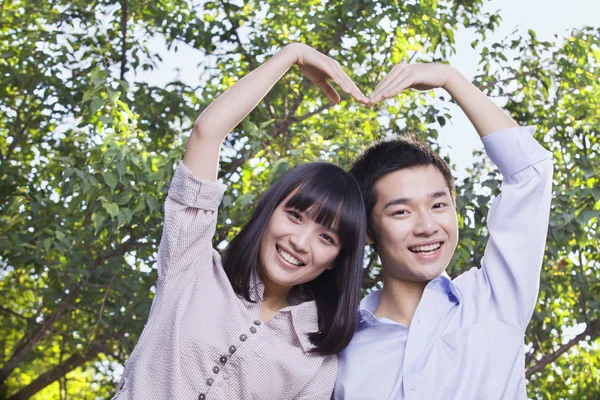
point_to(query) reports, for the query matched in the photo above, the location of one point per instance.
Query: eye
(439, 205)
(294, 215)
(328, 238)
(400, 212)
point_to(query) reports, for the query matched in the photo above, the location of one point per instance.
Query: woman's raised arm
(230, 108)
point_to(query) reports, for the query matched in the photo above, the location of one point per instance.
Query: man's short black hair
(392, 155)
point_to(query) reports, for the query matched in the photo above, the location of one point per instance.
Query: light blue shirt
(465, 341)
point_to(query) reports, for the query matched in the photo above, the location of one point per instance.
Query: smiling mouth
(288, 257)
(426, 249)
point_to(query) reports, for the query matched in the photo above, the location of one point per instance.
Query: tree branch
(28, 342)
(30, 321)
(112, 278)
(124, 18)
(592, 329)
(63, 368)
(310, 114)
(341, 30)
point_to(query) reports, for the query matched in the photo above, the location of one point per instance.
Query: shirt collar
(368, 306)
(303, 313)
(305, 320)
(442, 283)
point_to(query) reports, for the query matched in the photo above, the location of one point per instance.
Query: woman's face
(294, 248)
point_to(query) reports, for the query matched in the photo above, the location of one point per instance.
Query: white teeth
(426, 248)
(288, 257)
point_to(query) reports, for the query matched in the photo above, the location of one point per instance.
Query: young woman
(267, 322)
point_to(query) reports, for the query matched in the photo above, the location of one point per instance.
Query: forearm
(228, 110)
(231, 107)
(483, 113)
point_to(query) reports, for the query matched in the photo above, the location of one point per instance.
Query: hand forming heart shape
(318, 67)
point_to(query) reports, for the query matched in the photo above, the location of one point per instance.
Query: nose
(299, 241)
(426, 225)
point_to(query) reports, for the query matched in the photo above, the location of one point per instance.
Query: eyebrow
(333, 228)
(406, 200)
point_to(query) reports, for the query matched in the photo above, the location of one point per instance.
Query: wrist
(453, 79)
(292, 52)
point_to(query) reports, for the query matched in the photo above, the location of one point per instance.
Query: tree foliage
(87, 151)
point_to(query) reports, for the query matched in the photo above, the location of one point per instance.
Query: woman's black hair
(332, 198)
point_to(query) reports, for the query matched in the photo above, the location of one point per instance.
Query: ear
(370, 238)
(330, 267)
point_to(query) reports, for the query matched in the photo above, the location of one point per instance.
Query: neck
(275, 297)
(399, 299)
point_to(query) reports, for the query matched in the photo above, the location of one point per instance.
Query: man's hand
(410, 76)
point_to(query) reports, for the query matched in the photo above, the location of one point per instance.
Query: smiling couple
(278, 317)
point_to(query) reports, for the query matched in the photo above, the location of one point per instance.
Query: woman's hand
(318, 67)
(411, 76)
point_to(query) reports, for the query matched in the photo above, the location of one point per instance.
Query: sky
(546, 18)
(458, 138)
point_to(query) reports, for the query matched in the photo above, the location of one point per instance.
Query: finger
(346, 84)
(341, 78)
(357, 93)
(354, 91)
(377, 95)
(389, 89)
(389, 77)
(329, 91)
(398, 87)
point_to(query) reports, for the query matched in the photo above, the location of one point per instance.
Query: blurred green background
(89, 138)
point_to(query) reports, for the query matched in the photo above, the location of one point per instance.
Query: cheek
(277, 224)
(325, 255)
(393, 231)
(450, 224)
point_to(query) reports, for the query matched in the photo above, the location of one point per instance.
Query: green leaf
(139, 206)
(111, 179)
(121, 168)
(245, 200)
(47, 244)
(152, 203)
(124, 216)
(125, 196)
(96, 104)
(111, 208)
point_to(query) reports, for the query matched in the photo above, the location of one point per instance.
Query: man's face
(415, 223)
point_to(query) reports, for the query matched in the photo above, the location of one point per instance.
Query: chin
(420, 274)
(278, 275)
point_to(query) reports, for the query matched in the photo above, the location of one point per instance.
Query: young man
(424, 336)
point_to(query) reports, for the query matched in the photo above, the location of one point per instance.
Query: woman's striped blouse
(201, 340)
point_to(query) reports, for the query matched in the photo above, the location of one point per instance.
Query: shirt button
(413, 388)
(216, 369)
(223, 359)
(201, 396)
(232, 349)
(415, 354)
(252, 329)
(210, 381)
(243, 337)
(257, 322)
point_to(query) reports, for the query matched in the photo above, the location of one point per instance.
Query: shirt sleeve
(518, 225)
(190, 222)
(321, 386)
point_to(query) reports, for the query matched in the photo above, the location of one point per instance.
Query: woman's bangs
(325, 203)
